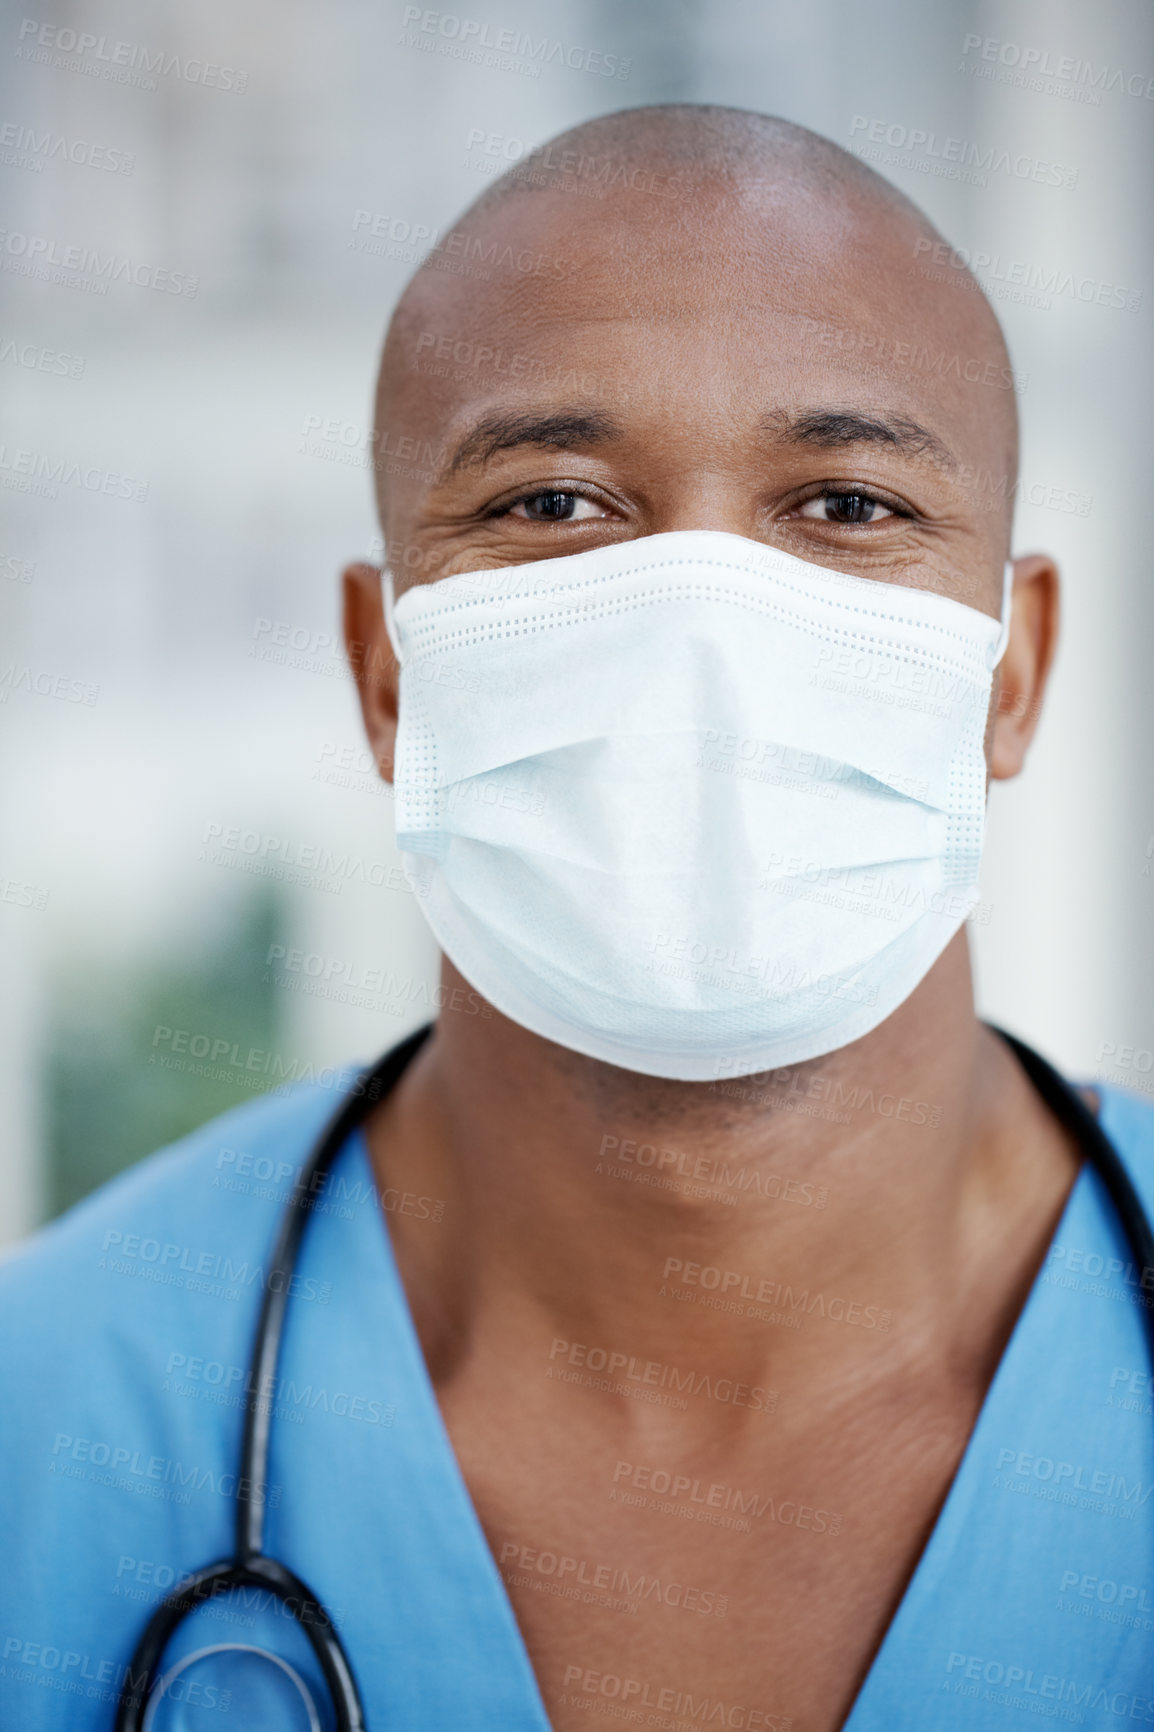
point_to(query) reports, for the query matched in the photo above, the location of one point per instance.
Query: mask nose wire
(388, 596)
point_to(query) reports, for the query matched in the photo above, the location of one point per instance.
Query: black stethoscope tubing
(249, 1566)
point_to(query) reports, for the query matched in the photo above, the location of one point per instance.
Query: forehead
(726, 299)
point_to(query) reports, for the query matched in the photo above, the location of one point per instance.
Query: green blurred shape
(110, 1096)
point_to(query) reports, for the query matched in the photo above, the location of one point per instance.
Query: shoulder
(162, 1268)
(126, 1332)
(184, 1221)
(1128, 1121)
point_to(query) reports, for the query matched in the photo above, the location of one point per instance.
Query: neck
(873, 1188)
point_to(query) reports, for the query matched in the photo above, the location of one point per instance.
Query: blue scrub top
(128, 1328)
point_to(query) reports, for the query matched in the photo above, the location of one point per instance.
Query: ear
(374, 666)
(1025, 667)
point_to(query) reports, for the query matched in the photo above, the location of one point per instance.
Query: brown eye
(846, 508)
(554, 506)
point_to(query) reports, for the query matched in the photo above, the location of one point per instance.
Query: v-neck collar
(429, 1415)
(932, 1567)
(930, 1571)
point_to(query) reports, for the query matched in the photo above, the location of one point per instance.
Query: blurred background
(199, 894)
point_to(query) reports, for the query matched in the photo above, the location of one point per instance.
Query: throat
(873, 1207)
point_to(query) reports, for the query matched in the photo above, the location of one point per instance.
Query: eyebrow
(831, 429)
(573, 429)
(560, 430)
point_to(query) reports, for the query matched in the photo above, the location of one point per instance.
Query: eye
(553, 506)
(846, 508)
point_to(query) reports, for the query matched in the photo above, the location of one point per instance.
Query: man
(710, 1377)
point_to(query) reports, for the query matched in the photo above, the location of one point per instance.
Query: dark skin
(685, 327)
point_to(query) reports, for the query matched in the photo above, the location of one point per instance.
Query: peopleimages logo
(67, 1670)
(31, 255)
(720, 1497)
(652, 1375)
(192, 1374)
(312, 865)
(147, 1580)
(467, 36)
(998, 274)
(38, 359)
(954, 158)
(24, 147)
(42, 472)
(171, 1264)
(126, 1464)
(662, 1701)
(1036, 63)
(121, 62)
(1044, 1687)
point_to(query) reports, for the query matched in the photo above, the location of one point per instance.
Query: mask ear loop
(390, 601)
(999, 649)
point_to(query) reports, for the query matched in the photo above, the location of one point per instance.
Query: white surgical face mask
(687, 804)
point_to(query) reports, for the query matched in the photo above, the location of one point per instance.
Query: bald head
(692, 145)
(689, 317)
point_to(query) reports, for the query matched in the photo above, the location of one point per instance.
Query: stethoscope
(250, 1566)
